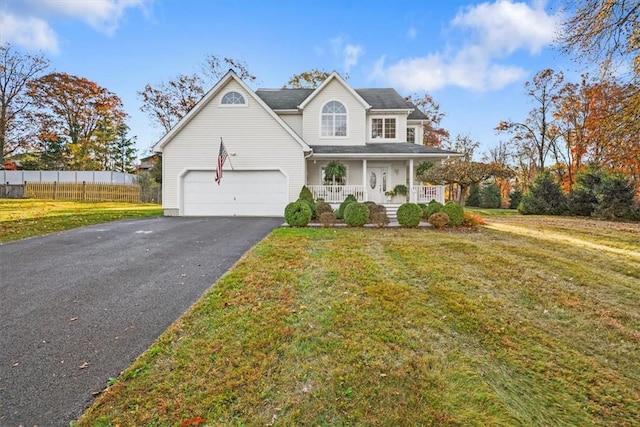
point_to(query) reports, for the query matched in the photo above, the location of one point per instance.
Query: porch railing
(427, 193)
(336, 193)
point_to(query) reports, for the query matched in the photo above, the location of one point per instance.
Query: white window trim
(415, 133)
(382, 138)
(246, 101)
(320, 121)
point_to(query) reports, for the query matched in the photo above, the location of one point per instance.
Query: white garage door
(240, 193)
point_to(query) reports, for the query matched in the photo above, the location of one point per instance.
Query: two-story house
(278, 140)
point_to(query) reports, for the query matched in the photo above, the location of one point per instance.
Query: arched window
(232, 98)
(334, 119)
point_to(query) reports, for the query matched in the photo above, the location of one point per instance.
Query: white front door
(376, 184)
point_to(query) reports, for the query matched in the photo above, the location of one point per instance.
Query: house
(278, 140)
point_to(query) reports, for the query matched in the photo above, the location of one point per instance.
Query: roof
(378, 148)
(283, 99)
(377, 98)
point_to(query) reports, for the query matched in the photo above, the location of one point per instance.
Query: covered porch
(384, 173)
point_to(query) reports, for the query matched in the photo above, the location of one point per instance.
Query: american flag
(222, 156)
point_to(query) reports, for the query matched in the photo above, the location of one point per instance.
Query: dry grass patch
(397, 327)
(21, 218)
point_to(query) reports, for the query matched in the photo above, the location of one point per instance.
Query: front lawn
(402, 327)
(21, 218)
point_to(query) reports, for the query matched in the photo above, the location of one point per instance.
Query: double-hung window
(383, 128)
(334, 119)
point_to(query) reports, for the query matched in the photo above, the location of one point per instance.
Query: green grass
(401, 327)
(21, 218)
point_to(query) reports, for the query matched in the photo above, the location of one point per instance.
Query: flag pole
(230, 164)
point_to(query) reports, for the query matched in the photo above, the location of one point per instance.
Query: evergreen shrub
(409, 215)
(297, 214)
(356, 214)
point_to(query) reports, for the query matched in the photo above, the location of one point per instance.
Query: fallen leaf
(85, 365)
(193, 422)
(72, 319)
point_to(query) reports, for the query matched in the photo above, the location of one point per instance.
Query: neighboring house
(281, 139)
(147, 163)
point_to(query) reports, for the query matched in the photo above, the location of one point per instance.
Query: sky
(472, 57)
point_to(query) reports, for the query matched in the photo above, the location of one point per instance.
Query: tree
(16, 71)
(79, 112)
(463, 173)
(604, 32)
(167, 103)
(433, 134)
(538, 130)
(310, 79)
(122, 150)
(545, 197)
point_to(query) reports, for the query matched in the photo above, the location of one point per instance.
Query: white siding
(252, 137)
(356, 122)
(294, 121)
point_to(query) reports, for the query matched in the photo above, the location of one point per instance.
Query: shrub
(305, 194)
(474, 196)
(490, 196)
(356, 214)
(379, 218)
(311, 205)
(615, 197)
(455, 212)
(409, 215)
(433, 207)
(514, 199)
(472, 220)
(374, 208)
(297, 214)
(327, 218)
(350, 199)
(439, 220)
(323, 207)
(545, 197)
(581, 202)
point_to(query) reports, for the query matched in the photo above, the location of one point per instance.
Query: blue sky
(473, 57)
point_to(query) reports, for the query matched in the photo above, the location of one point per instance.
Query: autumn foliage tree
(434, 135)
(310, 79)
(16, 71)
(76, 112)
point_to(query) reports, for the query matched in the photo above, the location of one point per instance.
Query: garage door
(241, 193)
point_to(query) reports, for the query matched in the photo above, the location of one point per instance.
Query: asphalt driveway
(77, 307)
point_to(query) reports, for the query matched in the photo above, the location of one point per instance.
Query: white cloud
(27, 22)
(351, 54)
(496, 30)
(30, 32)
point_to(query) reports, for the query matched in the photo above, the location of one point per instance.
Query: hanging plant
(335, 172)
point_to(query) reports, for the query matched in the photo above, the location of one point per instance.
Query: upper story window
(334, 119)
(383, 128)
(232, 98)
(411, 135)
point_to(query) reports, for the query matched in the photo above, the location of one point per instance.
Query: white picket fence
(75, 177)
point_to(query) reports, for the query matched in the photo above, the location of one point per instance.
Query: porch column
(412, 195)
(364, 180)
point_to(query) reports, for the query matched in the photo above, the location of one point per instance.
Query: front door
(376, 184)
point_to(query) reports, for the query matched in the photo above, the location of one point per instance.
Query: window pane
(232, 98)
(376, 128)
(390, 128)
(411, 135)
(341, 125)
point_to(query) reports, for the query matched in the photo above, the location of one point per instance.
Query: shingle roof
(283, 99)
(380, 148)
(378, 98)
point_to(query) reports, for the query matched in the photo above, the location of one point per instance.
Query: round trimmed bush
(433, 207)
(356, 214)
(409, 215)
(439, 220)
(455, 212)
(350, 199)
(323, 207)
(297, 214)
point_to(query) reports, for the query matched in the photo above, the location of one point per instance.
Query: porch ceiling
(402, 150)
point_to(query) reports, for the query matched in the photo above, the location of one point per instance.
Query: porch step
(392, 210)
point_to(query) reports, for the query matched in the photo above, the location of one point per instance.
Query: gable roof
(328, 80)
(376, 98)
(231, 75)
